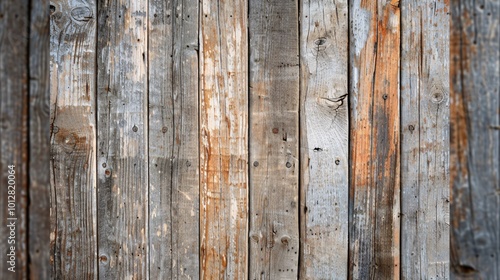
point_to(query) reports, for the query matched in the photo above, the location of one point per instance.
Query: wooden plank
(475, 140)
(173, 140)
(123, 139)
(324, 139)
(274, 130)
(39, 142)
(223, 139)
(73, 140)
(425, 140)
(14, 26)
(374, 146)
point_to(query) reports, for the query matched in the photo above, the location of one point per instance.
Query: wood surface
(324, 138)
(475, 139)
(374, 143)
(425, 140)
(274, 141)
(173, 140)
(122, 121)
(73, 236)
(223, 139)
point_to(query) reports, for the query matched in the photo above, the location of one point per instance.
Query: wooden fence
(310, 139)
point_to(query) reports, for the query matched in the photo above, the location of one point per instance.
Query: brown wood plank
(73, 136)
(39, 141)
(425, 140)
(123, 139)
(223, 139)
(173, 140)
(324, 139)
(475, 139)
(14, 31)
(374, 143)
(274, 141)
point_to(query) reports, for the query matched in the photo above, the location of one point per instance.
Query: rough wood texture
(223, 139)
(324, 139)
(39, 139)
(274, 131)
(73, 136)
(374, 73)
(425, 140)
(14, 26)
(475, 140)
(173, 140)
(123, 139)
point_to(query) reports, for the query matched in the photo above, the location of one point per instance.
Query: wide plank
(324, 41)
(374, 143)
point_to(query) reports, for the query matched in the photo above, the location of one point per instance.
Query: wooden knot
(285, 239)
(81, 14)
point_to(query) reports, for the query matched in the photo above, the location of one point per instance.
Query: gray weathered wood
(425, 140)
(173, 140)
(14, 26)
(39, 140)
(324, 139)
(274, 137)
(122, 166)
(223, 139)
(73, 135)
(475, 139)
(374, 143)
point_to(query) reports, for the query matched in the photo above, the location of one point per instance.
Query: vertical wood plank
(223, 139)
(173, 140)
(274, 131)
(425, 140)
(73, 139)
(14, 26)
(475, 139)
(39, 139)
(374, 145)
(324, 139)
(123, 139)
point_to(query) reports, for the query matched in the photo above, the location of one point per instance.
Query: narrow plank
(123, 139)
(73, 140)
(274, 130)
(425, 140)
(39, 139)
(374, 147)
(475, 140)
(223, 139)
(173, 140)
(14, 31)
(324, 139)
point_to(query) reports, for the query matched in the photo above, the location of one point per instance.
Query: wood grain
(39, 142)
(324, 139)
(14, 26)
(274, 139)
(173, 140)
(122, 67)
(475, 140)
(374, 142)
(223, 139)
(425, 140)
(72, 137)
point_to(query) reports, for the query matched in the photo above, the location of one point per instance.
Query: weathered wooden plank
(475, 139)
(374, 145)
(39, 141)
(324, 139)
(274, 131)
(425, 140)
(14, 27)
(73, 140)
(173, 140)
(123, 139)
(223, 139)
